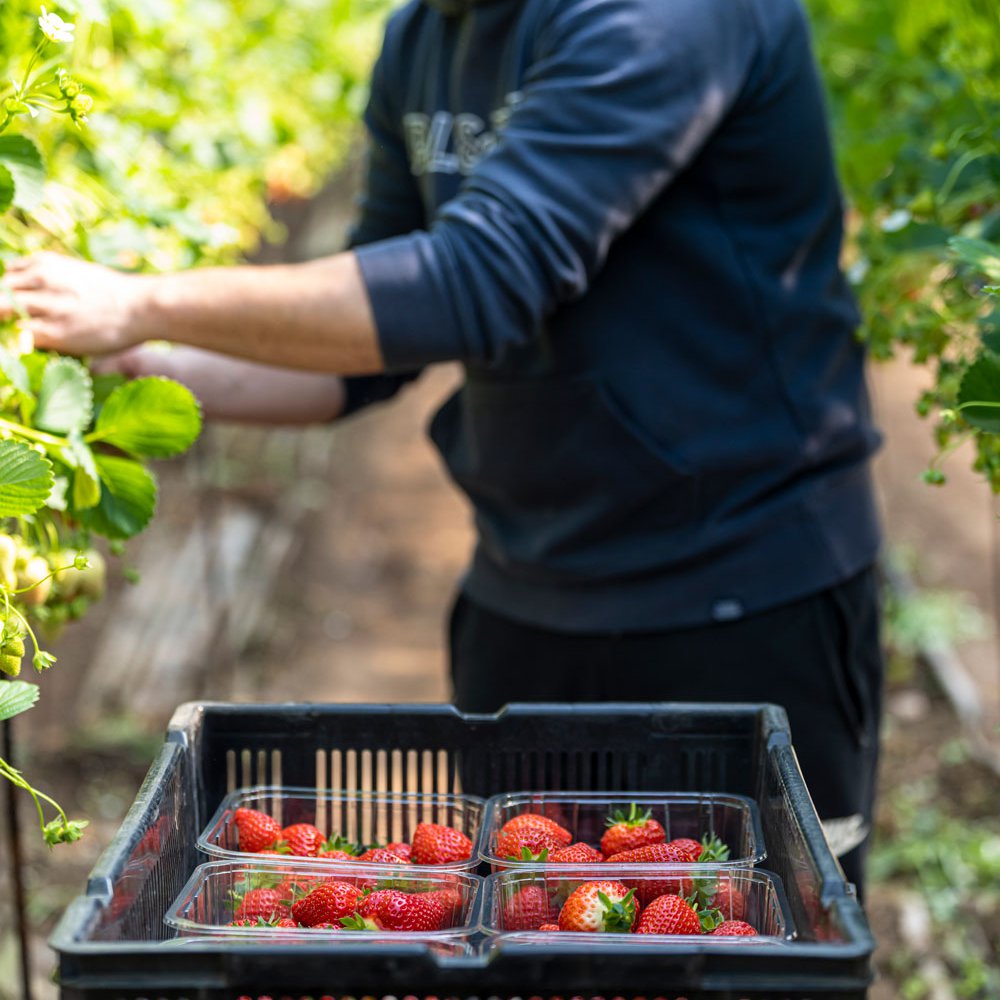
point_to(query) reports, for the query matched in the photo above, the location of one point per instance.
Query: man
(622, 217)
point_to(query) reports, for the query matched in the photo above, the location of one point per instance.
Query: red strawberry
(537, 824)
(527, 909)
(688, 846)
(286, 922)
(734, 928)
(549, 927)
(575, 854)
(603, 906)
(394, 910)
(728, 899)
(400, 849)
(451, 900)
(630, 830)
(527, 846)
(647, 889)
(301, 839)
(326, 904)
(336, 855)
(668, 915)
(381, 856)
(435, 844)
(255, 830)
(265, 904)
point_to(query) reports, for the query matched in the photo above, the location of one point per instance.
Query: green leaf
(128, 498)
(24, 162)
(979, 394)
(16, 697)
(149, 418)
(65, 398)
(13, 370)
(26, 479)
(984, 257)
(6, 188)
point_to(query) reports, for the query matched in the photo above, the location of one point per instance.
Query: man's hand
(73, 306)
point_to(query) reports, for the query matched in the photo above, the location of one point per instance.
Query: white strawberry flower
(54, 28)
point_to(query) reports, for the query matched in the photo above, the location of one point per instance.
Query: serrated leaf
(6, 188)
(16, 697)
(26, 479)
(24, 162)
(128, 498)
(979, 394)
(13, 370)
(149, 418)
(65, 397)
(981, 255)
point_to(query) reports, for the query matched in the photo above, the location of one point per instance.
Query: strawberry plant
(73, 447)
(915, 95)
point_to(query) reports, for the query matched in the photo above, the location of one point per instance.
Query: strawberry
(526, 846)
(336, 855)
(734, 928)
(255, 830)
(286, 922)
(451, 900)
(536, 824)
(435, 844)
(647, 889)
(575, 854)
(728, 899)
(549, 927)
(527, 909)
(627, 831)
(400, 848)
(381, 856)
(327, 903)
(266, 904)
(394, 910)
(301, 839)
(688, 846)
(602, 906)
(668, 915)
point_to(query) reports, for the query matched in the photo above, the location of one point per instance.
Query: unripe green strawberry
(35, 575)
(10, 665)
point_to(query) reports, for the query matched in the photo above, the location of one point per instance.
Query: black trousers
(819, 658)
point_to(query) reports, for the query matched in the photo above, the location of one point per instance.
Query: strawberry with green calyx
(734, 928)
(303, 840)
(602, 906)
(255, 830)
(669, 914)
(713, 849)
(343, 845)
(626, 831)
(437, 844)
(393, 910)
(527, 908)
(327, 904)
(512, 847)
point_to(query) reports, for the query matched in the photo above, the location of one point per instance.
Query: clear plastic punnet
(223, 900)
(730, 820)
(529, 904)
(348, 818)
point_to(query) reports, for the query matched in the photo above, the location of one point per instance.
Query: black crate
(112, 943)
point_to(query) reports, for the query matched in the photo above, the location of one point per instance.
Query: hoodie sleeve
(389, 205)
(621, 96)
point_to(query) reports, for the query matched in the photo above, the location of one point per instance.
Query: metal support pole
(16, 858)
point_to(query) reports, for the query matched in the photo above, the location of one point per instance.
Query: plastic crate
(734, 819)
(112, 943)
(361, 817)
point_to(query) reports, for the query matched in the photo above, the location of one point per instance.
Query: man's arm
(314, 316)
(232, 389)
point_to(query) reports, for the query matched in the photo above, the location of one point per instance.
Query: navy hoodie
(622, 217)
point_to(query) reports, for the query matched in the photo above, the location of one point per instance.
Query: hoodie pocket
(563, 485)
